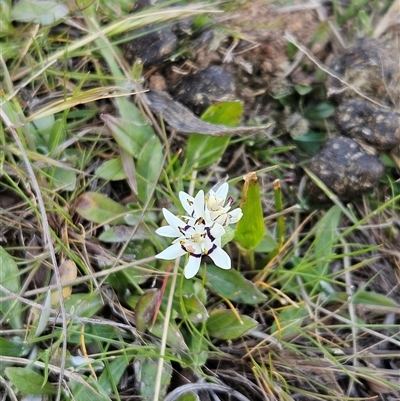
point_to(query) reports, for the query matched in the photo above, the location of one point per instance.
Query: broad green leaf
(84, 305)
(319, 111)
(202, 150)
(89, 390)
(174, 336)
(310, 142)
(290, 320)
(124, 134)
(113, 373)
(267, 244)
(146, 374)
(199, 350)
(111, 170)
(29, 382)
(146, 307)
(39, 11)
(250, 229)
(99, 208)
(62, 179)
(302, 89)
(232, 285)
(225, 325)
(9, 278)
(11, 347)
(194, 309)
(148, 168)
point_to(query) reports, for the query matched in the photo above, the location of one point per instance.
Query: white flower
(194, 236)
(216, 208)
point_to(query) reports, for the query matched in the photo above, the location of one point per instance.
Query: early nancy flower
(194, 236)
(216, 208)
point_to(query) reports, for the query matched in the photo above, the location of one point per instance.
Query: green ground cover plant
(140, 263)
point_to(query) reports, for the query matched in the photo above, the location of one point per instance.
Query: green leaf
(99, 208)
(319, 111)
(113, 373)
(290, 320)
(111, 170)
(194, 309)
(225, 325)
(148, 168)
(232, 285)
(302, 89)
(62, 179)
(11, 347)
(89, 390)
(373, 298)
(84, 305)
(174, 337)
(29, 382)
(202, 150)
(326, 238)
(9, 278)
(146, 374)
(123, 132)
(250, 229)
(145, 308)
(310, 142)
(188, 397)
(39, 11)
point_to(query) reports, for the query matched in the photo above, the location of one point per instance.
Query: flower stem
(165, 332)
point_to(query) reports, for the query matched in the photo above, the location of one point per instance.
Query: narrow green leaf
(232, 285)
(148, 168)
(373, 298)
(202, 150)
(224, 324)
(9, 278)
(39, 12)
(111, 170)
(326, 237)
(29, 382)
(250, 229)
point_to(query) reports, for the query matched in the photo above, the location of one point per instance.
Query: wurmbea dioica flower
(200, 232)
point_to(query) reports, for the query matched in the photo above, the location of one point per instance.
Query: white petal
(187, 202)
(220, 258)
(199, 204)
(192, 267)
(222, 191)
(236, 215)
(172, 252)
(168, 231)
(172, 220)
(217, 230)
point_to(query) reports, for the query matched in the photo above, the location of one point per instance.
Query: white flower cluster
(199, 232)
